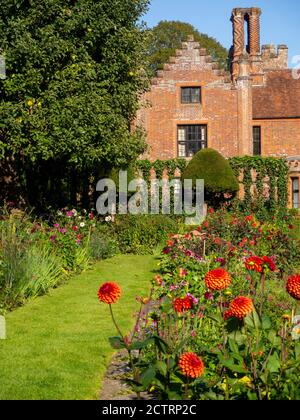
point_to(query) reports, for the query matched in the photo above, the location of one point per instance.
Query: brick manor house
(252, 110)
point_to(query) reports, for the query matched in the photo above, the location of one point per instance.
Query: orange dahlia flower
(109, 293)
(218, 279)
(293, 286)
(239, 308)
(191, 365)
(254, 264)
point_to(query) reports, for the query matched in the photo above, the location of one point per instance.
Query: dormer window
(191, 95)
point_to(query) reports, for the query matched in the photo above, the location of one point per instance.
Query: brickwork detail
(254, 33)
(238, 35)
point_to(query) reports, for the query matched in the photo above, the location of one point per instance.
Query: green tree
(167, 36)
(75, 70)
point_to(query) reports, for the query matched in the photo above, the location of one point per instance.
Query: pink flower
(208, 296)
(195, 300)
(69, 213)
(56, 225)
(63, 231)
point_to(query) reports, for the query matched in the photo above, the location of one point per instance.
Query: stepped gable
(191, 57)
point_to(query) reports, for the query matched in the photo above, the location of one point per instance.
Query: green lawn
(57, 346)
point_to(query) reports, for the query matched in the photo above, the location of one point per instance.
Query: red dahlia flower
(254, 264)
(183, 305)
(267, 261)
(109, 293)
(191, 365)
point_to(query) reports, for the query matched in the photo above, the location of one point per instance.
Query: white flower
(74, 212)
(108, 218)
(296, 333)
(59, 213)
(296, 320)
(82, 224)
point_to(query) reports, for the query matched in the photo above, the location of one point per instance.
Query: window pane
(185, 95)
(181, 150)
(256, 141)
(181, 134)
(195, 95)
(190, 95)
(191, 139)
(295, 193)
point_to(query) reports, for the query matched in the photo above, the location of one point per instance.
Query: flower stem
(263, 283)
(115, 324)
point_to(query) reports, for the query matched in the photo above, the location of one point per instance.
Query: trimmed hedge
(215, 170)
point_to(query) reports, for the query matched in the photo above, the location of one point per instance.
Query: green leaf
(216, 317)
(173, 395)
(229, 363)
(162, 345)
(233, 346)
(161, 367)
(138, 345)
(253, 320)
(274, 339)
(117, 343)
(238, 337)
(274, 363)
(266, 323)
(148, 376)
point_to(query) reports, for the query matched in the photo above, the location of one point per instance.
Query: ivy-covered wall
(264, 181)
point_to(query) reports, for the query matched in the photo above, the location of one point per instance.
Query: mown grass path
(57, 346)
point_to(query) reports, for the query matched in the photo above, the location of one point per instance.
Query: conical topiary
(219, 179)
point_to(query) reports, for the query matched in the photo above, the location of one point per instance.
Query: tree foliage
(75, 70)
(167, 36)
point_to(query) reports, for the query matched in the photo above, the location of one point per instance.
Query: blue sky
(280, 20)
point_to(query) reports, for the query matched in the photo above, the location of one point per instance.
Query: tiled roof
(279, 98)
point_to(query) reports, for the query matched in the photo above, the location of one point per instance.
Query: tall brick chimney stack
(240, 48)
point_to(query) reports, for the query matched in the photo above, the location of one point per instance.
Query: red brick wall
(280, 137)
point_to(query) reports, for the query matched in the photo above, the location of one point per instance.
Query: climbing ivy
(270, 171)
(265, 180)
(159, 166)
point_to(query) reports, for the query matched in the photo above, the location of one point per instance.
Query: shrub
(141, 234)
(102, 246)
(219, 179)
